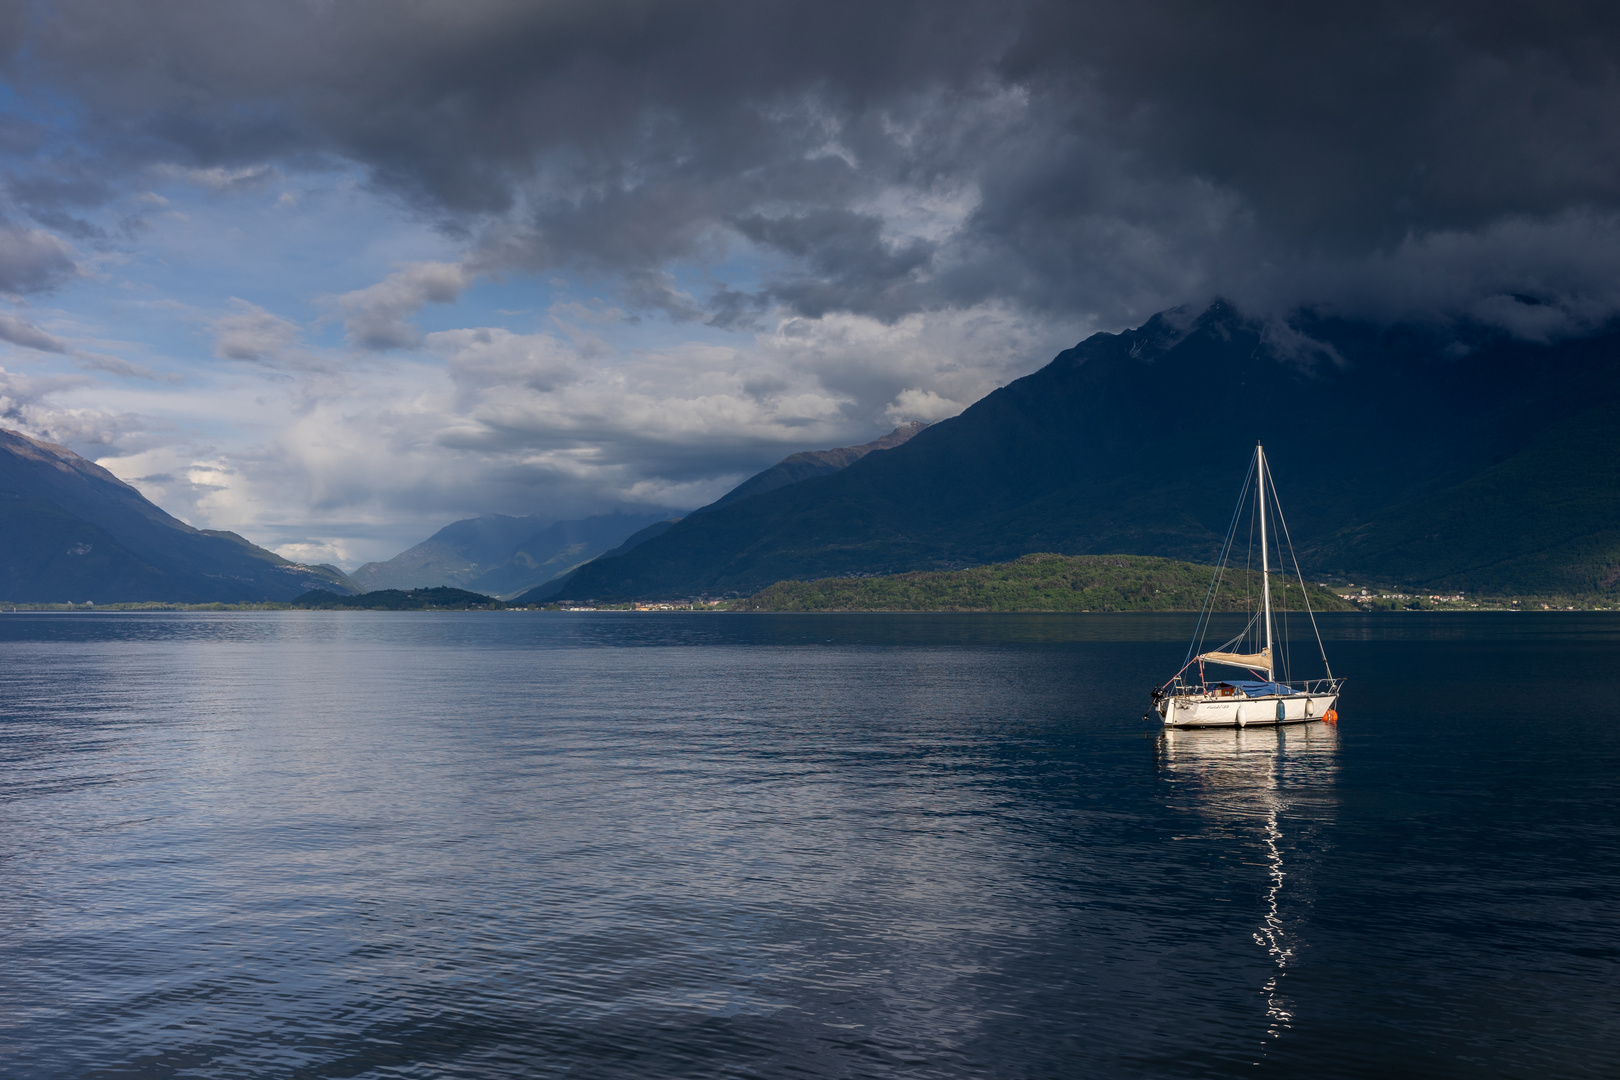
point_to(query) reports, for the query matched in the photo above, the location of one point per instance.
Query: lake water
(615, 845)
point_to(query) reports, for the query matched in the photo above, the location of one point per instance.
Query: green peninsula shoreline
(1040, 582)
(1034, 583)
(1104, 583)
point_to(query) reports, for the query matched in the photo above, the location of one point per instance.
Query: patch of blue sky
(288, 245)
(57, 116)
(285, 244)
(516, 302)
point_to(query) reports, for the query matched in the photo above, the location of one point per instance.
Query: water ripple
(353, 844)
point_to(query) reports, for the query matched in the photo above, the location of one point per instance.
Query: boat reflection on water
(1273, 787)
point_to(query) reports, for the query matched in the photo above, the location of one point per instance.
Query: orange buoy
(1330, 717)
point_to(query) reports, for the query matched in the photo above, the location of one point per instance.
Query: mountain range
(1437, 456)
(71, 530)
(501, 555)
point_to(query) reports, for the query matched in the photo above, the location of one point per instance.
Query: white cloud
(379, 316)
(324, 551)
(219, 179)
(490, 356)
(913, 404)
(27, 404)
(358, 461)
(249, 332)
(935, 215)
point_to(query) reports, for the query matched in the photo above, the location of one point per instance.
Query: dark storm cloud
(1085, 159)
(849, 265)
(1340, 120)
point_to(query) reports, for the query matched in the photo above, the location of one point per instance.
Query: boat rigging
(1272, 696)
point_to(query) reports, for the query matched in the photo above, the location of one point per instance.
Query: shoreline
(1537, 606)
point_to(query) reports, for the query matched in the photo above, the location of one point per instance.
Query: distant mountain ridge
(1441, 457)
(456, 554)
(501, 555)
(807, 464)
(71, 530)
(803, 465)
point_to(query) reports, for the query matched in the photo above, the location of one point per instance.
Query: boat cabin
(1251, 689)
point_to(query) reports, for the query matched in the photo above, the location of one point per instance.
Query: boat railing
(1181, 688)
(1316, 686)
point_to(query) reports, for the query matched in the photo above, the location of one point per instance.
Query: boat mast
(1265, 566)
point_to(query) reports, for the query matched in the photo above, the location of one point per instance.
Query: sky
(334, 273)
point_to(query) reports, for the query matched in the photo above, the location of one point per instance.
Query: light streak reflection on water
(1252, 781)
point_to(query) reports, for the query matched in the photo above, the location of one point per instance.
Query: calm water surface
(478, 845)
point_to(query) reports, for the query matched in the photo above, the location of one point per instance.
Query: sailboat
(1269, 695)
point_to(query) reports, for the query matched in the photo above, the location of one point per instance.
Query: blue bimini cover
(1261, 689)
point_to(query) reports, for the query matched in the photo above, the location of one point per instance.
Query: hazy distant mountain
(455, 555)
(1436, 457)
(501, 555)
(549, 589)
(804, 465)
(71, 530)
(808, 464)
(559, 548)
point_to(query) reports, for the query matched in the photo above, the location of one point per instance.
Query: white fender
(1243, 716)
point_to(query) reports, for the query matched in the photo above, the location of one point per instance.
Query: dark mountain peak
(1187, 341)
(1221, 316)
(69, 529)
(55, 457)
(1217, 324)
(79, 476)
(1166, 330)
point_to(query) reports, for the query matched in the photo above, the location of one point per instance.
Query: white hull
(1197, 710)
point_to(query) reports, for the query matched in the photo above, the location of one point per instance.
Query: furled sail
(1260, 661)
